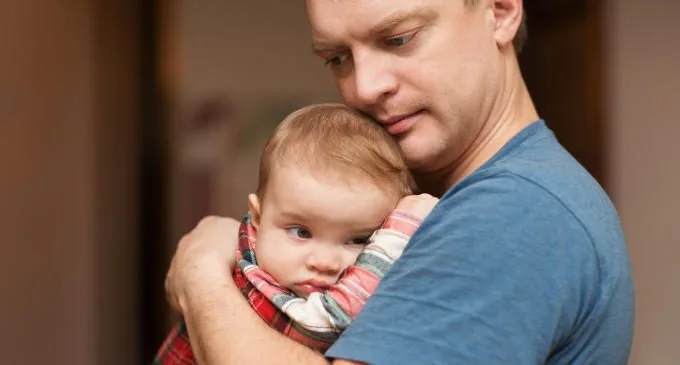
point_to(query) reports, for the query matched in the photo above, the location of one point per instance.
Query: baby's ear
(254, 210)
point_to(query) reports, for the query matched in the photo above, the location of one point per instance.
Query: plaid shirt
(318, 320)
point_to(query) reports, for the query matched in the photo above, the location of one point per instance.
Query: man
(523, 260)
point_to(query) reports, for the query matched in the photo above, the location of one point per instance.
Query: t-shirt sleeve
(493, 276)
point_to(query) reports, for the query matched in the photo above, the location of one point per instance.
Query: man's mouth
(399, 124)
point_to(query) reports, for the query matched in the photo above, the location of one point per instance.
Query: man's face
(428, 70)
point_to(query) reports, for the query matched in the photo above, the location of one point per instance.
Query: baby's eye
(359, 241)
(299, 232)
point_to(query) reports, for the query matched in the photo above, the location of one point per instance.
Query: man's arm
(234, 334)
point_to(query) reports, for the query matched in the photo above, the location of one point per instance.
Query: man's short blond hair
(337, 139)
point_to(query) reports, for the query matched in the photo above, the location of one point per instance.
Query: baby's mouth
(311, 286)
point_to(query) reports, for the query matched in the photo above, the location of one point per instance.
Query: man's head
(328, 177)
(431, 71)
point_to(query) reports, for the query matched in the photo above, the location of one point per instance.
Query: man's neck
(513, 111)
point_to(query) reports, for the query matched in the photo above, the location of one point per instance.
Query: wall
(644, 112)
(67, 192)
(262, 49)
(561, 64)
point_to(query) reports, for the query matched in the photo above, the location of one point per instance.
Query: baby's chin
(299, 292)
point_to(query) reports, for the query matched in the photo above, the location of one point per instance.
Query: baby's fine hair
(335, 137)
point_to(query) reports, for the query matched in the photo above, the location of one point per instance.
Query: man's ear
(507, 20)
(254, 210)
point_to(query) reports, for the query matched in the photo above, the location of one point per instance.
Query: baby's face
(310, 230)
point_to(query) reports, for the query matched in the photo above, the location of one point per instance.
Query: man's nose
(373, 79)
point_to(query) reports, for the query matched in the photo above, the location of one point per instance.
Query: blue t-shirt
(522, 262)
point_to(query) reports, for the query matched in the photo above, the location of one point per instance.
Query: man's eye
(400, 40)
(299, 232)
(336, 60)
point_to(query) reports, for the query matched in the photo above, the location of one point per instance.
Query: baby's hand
(418, 205)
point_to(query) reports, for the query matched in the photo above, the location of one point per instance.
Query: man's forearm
(225, 330)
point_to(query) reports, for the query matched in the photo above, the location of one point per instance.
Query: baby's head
(328, 178)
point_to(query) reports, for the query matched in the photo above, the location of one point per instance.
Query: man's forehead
(362, 18)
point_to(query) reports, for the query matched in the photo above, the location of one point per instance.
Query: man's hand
(204, 257)
(419, 205)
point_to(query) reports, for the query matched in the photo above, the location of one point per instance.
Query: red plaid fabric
(346, 298)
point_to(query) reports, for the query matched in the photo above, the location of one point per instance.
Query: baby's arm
(330, 312)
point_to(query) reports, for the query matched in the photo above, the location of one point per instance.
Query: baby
(321, 229)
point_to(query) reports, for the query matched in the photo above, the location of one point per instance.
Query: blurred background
(123, 122)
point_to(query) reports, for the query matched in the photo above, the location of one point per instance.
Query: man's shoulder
(534, 189)
(535, 172)
(501, 202)
(539, 195)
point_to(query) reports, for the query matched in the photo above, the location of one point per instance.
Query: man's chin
(417, 158)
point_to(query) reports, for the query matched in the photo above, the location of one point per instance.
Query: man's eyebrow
(393, 20)
(422, 14)
(321, 47)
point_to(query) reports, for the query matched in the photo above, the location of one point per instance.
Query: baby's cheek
(277, 261)
(265, 254)
(351, 256)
